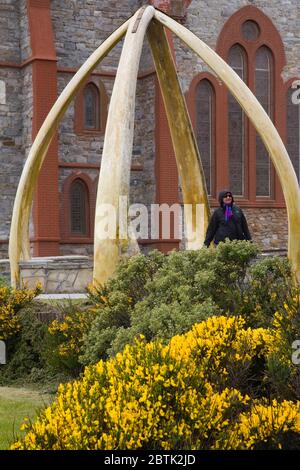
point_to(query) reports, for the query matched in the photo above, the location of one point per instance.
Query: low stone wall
(57, 274)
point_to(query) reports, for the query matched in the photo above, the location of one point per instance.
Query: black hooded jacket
(235, 229)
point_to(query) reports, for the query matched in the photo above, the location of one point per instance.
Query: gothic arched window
(237, 126)
(253, 47)
(91, 108)
(205, 130)
(79, 208)
(91, 101)
(264, 93)
(293, 131)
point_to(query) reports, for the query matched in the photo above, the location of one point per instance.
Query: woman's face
(227, 199)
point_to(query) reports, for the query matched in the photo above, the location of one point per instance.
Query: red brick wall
(165, 163)
(44, 75)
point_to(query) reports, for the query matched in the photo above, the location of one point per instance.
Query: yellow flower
(166, 397)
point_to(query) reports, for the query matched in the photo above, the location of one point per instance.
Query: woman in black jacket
(228, 221)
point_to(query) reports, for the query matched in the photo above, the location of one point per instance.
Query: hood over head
(222, 194)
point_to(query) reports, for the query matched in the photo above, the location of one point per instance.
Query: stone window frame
(66, 234)
(217, 172)
(101, 108)
(230, 35)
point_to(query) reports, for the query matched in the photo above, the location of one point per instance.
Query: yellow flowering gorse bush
(178, 396)
(286, 324)
(70, 331)
(264, 424)
(11, 301)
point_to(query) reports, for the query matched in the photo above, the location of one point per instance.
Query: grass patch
(15, 405)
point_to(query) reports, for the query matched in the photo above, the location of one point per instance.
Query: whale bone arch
(19, 236)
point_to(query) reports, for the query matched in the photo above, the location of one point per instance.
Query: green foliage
(132, 276)
(250, 314)
(278, 376)
(11, 302)
(161, 322)
(282, 374)
(3, 282)
(29, 352)
(64, 338)
(161, 296)
(114, 302)
(223, 276)
(24, 350)
(269, 285)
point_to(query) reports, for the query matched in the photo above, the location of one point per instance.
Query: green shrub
(3, 282)
(223, 276)
(11, 302)
(269, 285)
(132, 276)
(160, 296)
(177, 291)
(25, 349)
(281, 373)
(64, 337)
(161, 322)
(29, 356)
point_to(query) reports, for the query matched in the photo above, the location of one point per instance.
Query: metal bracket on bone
(138, 19)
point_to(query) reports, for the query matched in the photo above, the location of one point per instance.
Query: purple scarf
(228, 212)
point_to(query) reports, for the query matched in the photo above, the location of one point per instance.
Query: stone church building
(42, 45)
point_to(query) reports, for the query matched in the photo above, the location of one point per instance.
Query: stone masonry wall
(268, 227)
(9, 31)
(143, 189)
(207, 18)
(79, 28)
(87, 149)
(11, 142)
(84, 27)
(25, 47)
(79, 148)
